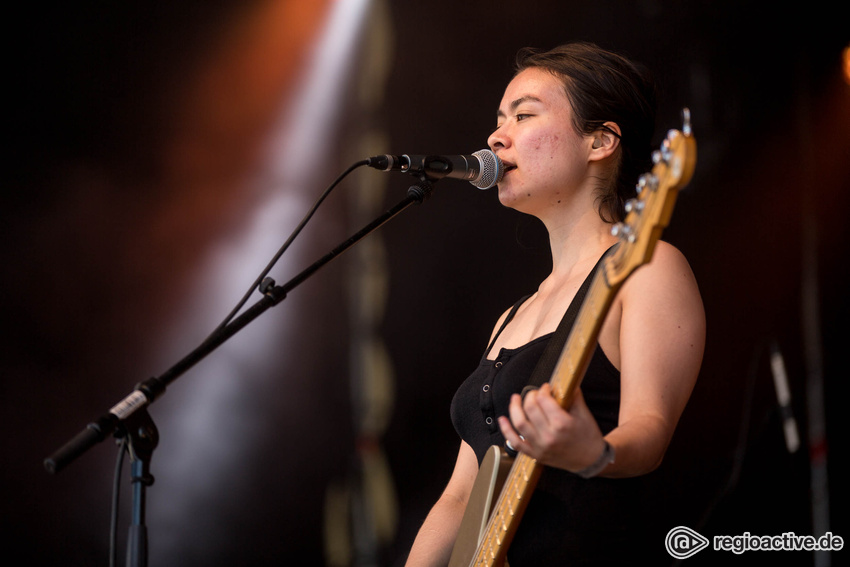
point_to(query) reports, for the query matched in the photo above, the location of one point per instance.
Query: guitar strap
(546, 365)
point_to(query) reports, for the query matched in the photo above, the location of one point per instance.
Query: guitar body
(491, 476)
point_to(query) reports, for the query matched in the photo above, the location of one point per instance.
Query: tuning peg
(664, 154)
(646, 181)
(623, 231)
(634, 205)
(687, 130)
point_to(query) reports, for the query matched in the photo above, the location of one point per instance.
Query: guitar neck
(578, 350)
(566, 378)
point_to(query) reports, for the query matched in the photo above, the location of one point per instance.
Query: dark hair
(602, 86)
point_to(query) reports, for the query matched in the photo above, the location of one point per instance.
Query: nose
(499, 139)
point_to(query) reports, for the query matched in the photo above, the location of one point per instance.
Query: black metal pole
(142, 438)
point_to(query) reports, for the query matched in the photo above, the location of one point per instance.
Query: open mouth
(508, 167)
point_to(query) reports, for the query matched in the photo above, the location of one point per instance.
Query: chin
(506, 192)
(506, 198)
(517, 203)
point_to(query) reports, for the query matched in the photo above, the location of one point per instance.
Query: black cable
(285, 246)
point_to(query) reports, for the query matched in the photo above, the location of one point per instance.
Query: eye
(521, 117)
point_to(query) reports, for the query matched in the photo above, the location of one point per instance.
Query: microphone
(483, 168)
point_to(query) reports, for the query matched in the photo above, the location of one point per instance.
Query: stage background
(160, 154)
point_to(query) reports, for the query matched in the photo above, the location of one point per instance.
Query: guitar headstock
(649, 213)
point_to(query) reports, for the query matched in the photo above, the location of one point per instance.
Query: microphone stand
(142, 438)
(129, 418)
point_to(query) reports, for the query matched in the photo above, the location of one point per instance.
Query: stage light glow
(206, 454)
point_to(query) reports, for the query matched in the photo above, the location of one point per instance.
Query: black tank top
(569, 520)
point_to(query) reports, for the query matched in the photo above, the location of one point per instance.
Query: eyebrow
(517, 102)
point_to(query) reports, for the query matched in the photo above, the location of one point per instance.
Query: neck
(576, 240)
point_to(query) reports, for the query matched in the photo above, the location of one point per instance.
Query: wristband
(605, 459)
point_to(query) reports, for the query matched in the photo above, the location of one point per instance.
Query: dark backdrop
(117, 192)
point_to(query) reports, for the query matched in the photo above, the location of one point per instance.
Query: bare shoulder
(668, 271)
(662, 298)
(668, 261)
(658, 306)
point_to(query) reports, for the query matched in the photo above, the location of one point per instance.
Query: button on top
(486, 387)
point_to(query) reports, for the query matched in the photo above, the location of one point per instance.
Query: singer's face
(545, 158)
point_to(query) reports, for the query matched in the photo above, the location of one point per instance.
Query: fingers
(513, 440)
(530, 422)
(542, 410)
(538, 426)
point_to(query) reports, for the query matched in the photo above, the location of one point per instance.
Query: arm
(655, 334)
(662, 338)
(435, 540)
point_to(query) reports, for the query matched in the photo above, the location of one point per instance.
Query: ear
(605, 140)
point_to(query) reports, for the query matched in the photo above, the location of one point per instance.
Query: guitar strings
(516, 488)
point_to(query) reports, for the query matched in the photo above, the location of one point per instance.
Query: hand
(539, 427)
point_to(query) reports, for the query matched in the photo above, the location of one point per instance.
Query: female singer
(574, 131)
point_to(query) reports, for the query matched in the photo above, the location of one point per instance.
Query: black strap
(546, 365)
(507, 320)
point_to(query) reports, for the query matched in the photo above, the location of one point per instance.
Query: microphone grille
(492, 169)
